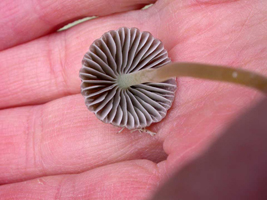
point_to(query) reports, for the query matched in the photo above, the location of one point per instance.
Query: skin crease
(52, 147)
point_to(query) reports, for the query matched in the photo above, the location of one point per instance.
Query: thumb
(234, 167)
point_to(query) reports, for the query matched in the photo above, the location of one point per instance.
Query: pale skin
(51, 146)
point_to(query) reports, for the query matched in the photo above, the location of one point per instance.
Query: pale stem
(195, 70)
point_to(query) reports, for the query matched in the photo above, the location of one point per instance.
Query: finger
(222, 33)
(234, 167)
(127, 180)
(200, 112)
(48, 68)
(24, 21)
(64, 137)
(213, 1)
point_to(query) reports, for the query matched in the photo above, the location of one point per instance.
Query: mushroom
(127, 78)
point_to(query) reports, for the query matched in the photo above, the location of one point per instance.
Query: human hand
(233, 167)
(49, 139)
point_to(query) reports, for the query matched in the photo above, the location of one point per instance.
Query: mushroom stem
(196, 70)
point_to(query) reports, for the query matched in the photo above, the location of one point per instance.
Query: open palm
(52, 147)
